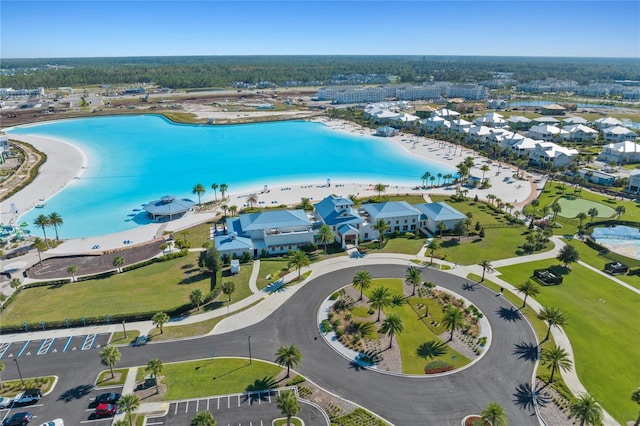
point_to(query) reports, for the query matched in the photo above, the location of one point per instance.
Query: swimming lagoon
(132, 160)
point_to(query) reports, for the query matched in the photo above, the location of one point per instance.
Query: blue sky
(32, 29)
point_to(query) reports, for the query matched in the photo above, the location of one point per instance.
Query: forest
(182, 72)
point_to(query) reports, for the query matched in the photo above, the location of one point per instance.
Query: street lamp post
(19, 373)
(124, 329)
(249, 349)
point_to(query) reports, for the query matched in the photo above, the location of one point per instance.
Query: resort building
(597, 177)
(634, 182)
(519, 122)
(547, 132)
(399, 215)
(553, 109)
(343, 219)
(434, 213)
(491, 119)
(275, 232)
(575, 120)
(4, 148)
(168, 208)
(618, 134)
(605, 122)
(549, 152)
(621, 153)
(435, 122)
(580, 133)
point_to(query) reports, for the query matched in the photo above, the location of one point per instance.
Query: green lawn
(270, 267)
(157, 287)
(416, 329)
(217, 376)
(603, 328)
(402, 245)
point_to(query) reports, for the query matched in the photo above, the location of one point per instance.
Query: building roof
(554, 107)
(168, 206)
(439, 211)
(572, 128)
(618, 130)
(232, 242)
(609, 121)
(274, 219)
(518, 119)
(545, 120)
(553, 150)
(622, 147)
(390, 209)
(575, 120)
(336, 210)
(545, 128)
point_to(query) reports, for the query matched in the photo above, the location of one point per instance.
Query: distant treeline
(221, 71)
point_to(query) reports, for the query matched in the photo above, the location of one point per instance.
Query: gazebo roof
(169, 206)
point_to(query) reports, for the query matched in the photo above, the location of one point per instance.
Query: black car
(108, 398)
(18, 419)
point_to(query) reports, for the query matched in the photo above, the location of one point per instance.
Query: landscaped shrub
(54, 283)
(325, 326)
(437, 366)
(296, 380)
(174, 255)
(139, 265)
(96, 276)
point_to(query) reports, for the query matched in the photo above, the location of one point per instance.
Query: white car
(56, 422)
(5, 402)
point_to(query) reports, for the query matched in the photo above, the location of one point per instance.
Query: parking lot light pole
(19, 373)
(124, 329)
(249, 349)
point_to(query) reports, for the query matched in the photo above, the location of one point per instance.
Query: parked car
(108, 398)
(106, 410)
(55, 422)
(5, 402)
(18, 419)
(29, 396)
(141, 340)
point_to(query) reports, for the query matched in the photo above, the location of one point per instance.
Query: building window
(405, 227)
(405, 221)
(366, 235)
(413, 227)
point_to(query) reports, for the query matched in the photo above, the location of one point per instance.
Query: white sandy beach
(66, 162)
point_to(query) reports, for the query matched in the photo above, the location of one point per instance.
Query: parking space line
(46, 345)
(240, 401)
(218, 403)
(24, 347)
(4, 347)
(68, 343)
(88, 342)
(176, 410)
(186, 407)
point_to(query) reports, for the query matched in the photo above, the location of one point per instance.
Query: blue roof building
(274, 231)
(434, 213)
(399, 215)
(339, 214)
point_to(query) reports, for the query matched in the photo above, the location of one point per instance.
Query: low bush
(325, 326)
(437, 366)
(296, 380)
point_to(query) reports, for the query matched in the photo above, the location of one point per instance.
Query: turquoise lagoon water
(135, 159)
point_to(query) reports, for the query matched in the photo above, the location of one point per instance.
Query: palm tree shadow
(526, 398)
(255, 396)
(354, 365)
(526, 351)
(262, 384)
(467, 286)
(509, 314)
(75, 393)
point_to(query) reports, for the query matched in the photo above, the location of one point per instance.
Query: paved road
(498, 376)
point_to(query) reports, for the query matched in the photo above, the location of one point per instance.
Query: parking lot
(53, 345)
(251, 409)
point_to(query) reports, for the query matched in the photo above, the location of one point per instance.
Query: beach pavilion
(168, 208)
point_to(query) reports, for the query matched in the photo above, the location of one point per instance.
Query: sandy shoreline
(65, 162)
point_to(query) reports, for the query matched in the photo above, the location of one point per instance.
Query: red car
(106, 410)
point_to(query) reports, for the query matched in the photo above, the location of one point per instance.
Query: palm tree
(43, 222)
(433, 246)
(362, 281)
(439, 177)
(431, 349)
(223, 189)
(325, 236)
(593, 212)
(252, 199)
(55, 220)
(556, 208)
(425, 178)
(233, 210)
(556, 358)
(40, 247)
(299, 260)
(72, 269)
(15, 284)
(453, 319)
(214, 186)
(635, 397)
(228, 288)
(485, 265)
(305, 204)
(379, 188)
(413, 277)
(381, 226)
(159, 320)
(199, 190)
(203, 418)
(129, 403)
(353, 198)
(118, 261)
(380, 298)
(287, 402)
(288, 356)
(485, 168)
(620, 210)
(554, 317)
(581, 216)
(586, 410)
(196, 297)
(495, 414)
(155, 367)
(535, 203)
(528, 288)
(391, 326)
(109, 356)
(441, 227)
